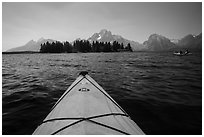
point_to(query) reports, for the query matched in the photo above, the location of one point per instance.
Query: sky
(22, 22)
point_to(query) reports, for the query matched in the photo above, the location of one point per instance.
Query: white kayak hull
(86, 109)
(181, 54)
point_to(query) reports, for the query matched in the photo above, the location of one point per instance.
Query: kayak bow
(86, 108)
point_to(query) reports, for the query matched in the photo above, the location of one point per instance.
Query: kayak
(181, 54)
(87, 109)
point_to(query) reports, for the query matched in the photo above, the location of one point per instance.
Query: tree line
(83, 46)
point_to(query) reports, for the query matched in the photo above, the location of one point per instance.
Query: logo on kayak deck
(84, 89)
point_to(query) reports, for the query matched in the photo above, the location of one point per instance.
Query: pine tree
(128, 47)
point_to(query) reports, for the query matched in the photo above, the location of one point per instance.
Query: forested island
(83, 46)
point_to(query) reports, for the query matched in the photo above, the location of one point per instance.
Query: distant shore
(33, 52)
(21, 52)
(36, 52)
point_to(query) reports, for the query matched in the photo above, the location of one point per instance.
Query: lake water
(160, 91)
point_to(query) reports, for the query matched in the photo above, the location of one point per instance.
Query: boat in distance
(180, 53)
(87, 109)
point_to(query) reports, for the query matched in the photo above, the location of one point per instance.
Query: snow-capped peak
(105, 33)
(99, 37)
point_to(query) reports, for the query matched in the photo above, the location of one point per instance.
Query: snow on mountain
(175, 41)
(155, 42)
(191, 42)
(106, 36)
(99, 37)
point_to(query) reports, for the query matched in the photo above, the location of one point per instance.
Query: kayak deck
(85, 108)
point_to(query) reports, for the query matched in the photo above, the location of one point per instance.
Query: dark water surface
(161, 92)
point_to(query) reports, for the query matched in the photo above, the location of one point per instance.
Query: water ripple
(161, 92)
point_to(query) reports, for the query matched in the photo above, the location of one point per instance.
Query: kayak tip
(83, 73)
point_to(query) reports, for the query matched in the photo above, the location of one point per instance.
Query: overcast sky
(69, 21)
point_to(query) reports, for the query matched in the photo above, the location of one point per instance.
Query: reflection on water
(161, 92)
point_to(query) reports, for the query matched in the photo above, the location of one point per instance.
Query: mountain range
(31, 45)
(155, 42)
(106, 36)
(191, 42)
